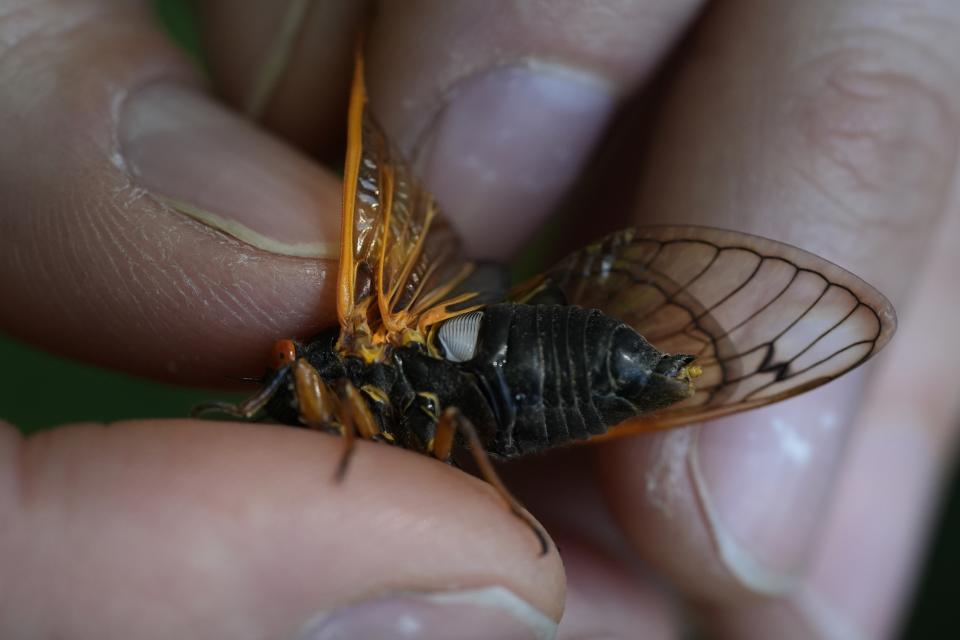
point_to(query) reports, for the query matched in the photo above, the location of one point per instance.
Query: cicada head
(276, 390)
(284, 354)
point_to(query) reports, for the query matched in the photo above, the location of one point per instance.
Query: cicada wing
(764, 320)
(400, 258)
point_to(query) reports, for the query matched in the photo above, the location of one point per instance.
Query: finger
(866, 564)
(501, 106)
(828, 126)
(186, 529)
(286, 65)
(107, 126)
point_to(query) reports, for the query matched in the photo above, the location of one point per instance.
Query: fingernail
(493, 612)
(209, 163)
(763, 477)
(507, 146)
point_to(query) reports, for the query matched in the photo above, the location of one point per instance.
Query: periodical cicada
(650, 328)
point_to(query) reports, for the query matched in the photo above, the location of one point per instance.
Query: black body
(542, 375)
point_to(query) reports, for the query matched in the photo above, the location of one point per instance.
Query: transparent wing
(401, 262)
(764, 320)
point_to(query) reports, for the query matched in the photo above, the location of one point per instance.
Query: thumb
(106, 126)
(197, 530)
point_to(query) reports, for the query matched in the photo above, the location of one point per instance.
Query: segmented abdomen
(545, 369)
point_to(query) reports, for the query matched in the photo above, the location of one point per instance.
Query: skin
(833, 126)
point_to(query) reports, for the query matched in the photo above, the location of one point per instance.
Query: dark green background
(38, 390)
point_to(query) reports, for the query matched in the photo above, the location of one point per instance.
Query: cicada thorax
(404, 390)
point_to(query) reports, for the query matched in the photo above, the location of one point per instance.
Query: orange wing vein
(401, 263)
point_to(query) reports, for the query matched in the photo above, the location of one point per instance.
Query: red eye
(284, 353)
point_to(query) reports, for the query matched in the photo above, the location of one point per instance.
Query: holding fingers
(174, 238)
(834, 126)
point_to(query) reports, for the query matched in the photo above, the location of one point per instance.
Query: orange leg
(356, 419)
(366, 425)
(345, 412)
(451, 422)
(318, 403)
(349, 444)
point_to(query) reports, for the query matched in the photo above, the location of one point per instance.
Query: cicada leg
(321, 408)
(451, 422)
(355, 419)
(318, 403)
(249, 408)
(344, 412)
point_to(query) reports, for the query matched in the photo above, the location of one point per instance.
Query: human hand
(840, 140)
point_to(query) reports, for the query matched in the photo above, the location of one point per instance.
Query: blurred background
(85, 393)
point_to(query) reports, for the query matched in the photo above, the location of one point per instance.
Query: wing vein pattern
(764, 320)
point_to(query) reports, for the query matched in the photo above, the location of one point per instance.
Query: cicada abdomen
(553, 374)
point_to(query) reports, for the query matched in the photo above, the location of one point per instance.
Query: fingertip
(212, 165)
(648, 488)
(494, 156)
(729, 510)
(243, 527)
(97, 263)
(502, 112)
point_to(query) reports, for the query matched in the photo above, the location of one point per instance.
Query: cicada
(649, 328)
